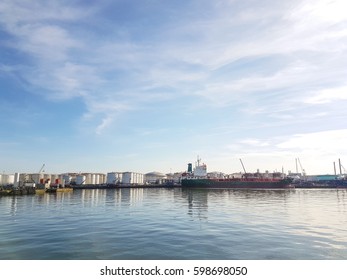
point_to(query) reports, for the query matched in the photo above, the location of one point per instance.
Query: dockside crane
(302, 170)
(244, 169)
(41, 169)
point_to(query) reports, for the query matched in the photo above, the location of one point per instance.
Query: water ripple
(175, 224)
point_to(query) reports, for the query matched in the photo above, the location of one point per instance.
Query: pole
(334, 168)
(296, 164)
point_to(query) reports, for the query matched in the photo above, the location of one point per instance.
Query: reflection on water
(175, 223)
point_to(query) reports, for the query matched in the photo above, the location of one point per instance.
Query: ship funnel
(190, 167)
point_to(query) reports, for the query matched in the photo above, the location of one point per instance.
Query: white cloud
(328, 95)
(319, 144)
(326, 11)
(185, 56)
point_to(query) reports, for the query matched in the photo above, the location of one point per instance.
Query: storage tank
(92, 181)
(36, 177)
(54, 177)
(102, 179)
(66, 178)
(16, 179)
(127, 177)
(132, 178)
(80, 179)
(47, 177)
(111, 178)
(7, 179)
(88, 179)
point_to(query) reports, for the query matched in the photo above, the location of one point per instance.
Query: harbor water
(175, 224)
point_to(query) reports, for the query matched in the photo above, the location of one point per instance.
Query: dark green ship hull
(237, 183)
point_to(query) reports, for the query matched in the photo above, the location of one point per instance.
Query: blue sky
(100, 86)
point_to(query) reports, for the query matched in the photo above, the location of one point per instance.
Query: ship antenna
(198, 161)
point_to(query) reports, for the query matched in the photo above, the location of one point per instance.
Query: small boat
(5, 192)
(41, 188)
(22, 190)
(58, 188)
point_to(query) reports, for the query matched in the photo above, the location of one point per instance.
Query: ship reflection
(199, 199)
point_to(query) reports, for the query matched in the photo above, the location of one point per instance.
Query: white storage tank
(36, 177)
(92, 181)
(102, 179)
(7, 179)
(132, 178)
(55, 179)
(80, 179)
(111, 178)
(66, 178)
(16, 179)
(47, 177)
(126, 178)
(114, 178)
(88, 179)
(10, 179)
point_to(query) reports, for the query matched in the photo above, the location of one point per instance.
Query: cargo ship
(198, 178)
(237, 183)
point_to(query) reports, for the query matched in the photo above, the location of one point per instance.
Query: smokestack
(190, 167)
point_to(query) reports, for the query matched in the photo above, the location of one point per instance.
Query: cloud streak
(268, 70)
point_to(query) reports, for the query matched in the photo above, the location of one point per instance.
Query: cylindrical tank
(88, 179)
(16, 178)
(102, 179)
(54, 177)
(7, 179)
(36, 177)
(93, 179)
(66, 179)
(126, 177)
(111, 178)
(80, 179)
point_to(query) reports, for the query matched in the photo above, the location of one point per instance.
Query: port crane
(244, 169)
(302, 170)
(41, 169)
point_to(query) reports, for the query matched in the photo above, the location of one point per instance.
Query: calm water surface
(146, 224)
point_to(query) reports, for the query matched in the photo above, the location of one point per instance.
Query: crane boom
(43, 166)
(302, 170)
(243, 166)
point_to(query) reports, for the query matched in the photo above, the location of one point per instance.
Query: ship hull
(236, 184)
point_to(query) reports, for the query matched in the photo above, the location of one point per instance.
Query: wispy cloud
(274, 61)
(328, 95)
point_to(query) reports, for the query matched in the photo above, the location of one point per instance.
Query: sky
(150, 85)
